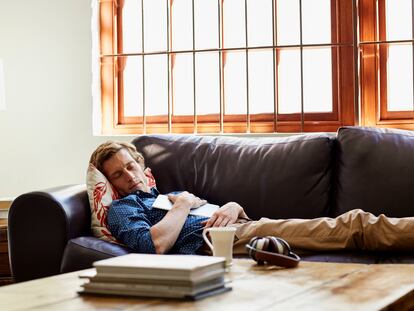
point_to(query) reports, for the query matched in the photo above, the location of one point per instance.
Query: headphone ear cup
(286, 246)
(258, 243)
(278, 245)
(252, 247)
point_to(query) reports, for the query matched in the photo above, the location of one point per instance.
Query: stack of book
(167, 276)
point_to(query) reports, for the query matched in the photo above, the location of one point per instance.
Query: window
(387, 63)
(254, 66)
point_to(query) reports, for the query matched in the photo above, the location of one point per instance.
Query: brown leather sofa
(305, 176)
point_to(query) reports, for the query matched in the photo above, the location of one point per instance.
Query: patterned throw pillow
(101, 194)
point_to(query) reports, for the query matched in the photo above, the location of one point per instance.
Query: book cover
(152, 282)
(148, 294)
(120, 278)
(144, 287)
(162, 202)
(167, 267)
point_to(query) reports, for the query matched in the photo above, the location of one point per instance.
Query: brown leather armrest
(40, 224)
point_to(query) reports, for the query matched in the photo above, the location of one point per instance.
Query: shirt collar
(154, 193)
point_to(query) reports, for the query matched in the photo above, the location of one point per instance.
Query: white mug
(222, 238)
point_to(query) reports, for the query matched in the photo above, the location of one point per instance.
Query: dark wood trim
(385, 114)
(262, 117)
(335, 38)
(368, 62)
(346, 64)
(230, 127)
(383, 60)
(5, 272)
(120, 63)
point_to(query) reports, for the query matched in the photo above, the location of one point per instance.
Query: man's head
(122, 164)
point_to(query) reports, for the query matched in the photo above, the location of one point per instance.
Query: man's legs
(355, 229)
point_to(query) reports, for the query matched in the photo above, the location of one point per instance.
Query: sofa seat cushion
(363, 257)
(343, 257)
(81, 252)
(403, 258)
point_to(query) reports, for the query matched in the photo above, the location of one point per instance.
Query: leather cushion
(270, 177)
(81, 252)
(375, 171)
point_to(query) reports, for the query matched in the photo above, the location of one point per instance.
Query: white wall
(46, 132)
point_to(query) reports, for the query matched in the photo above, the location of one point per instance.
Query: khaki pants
(355, 229)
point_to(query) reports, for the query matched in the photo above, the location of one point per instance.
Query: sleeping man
(133, 221)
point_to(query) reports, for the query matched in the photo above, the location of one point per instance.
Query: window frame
(343, 51)
(374, 54)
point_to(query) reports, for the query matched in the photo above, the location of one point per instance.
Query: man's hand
(165, 233)
(186, 199)
(226, 215)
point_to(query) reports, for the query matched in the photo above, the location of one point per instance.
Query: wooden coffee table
(311, 286)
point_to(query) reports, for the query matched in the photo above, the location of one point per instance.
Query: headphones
(273, 251)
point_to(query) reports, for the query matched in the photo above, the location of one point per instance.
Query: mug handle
(206, 238)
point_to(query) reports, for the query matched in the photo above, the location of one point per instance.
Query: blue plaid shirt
(131, 218)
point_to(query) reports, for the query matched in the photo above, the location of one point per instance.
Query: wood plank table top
(310, 286)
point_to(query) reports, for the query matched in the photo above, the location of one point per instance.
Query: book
(144, 288)
(4, 214)
(156, 275)
(154, 294)
(162, 202)
(5, 204)
(193, 268)
(165, 276)
(120, 278)
(153, 283)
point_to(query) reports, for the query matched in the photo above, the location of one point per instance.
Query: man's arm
(226, 215)
(128, 222)
(164, 234)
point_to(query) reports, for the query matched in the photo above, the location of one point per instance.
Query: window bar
(260, 47)
(356, 61)
(247, 67)
(194, 83)
(169, 67)
(389, 42)
(144, 120)
(275, 99)
(301, 68)
(221, 68)
(118, 47)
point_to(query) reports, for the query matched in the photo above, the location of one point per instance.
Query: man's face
(124, 173)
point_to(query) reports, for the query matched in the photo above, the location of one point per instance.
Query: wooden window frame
(374, 54)
(343, 74)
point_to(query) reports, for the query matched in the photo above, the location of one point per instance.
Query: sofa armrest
(40, 225)
(80, 253)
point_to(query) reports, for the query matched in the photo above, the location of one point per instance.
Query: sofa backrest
(375, 171)
(270, 177)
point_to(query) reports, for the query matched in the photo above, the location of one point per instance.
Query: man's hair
(106, 150)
